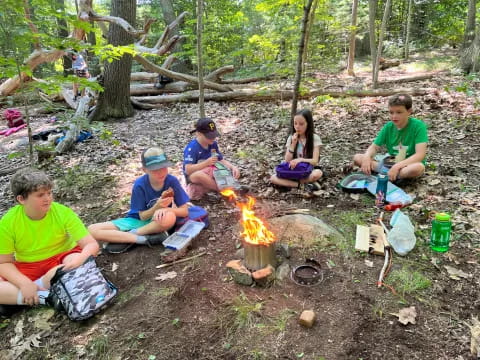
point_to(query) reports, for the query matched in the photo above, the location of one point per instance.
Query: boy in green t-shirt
(404, 137)
(36, 237)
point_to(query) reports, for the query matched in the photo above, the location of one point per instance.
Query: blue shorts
(128, 223)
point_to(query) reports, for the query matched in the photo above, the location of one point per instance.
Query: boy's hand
(163, 202)
(29, 292)
(72, 262)
(159, 215)
(235, 172)
(366, 165)
(210, 161)
(393, 172)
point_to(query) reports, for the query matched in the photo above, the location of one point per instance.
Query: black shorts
(81, 73)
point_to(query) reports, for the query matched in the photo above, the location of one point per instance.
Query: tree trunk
(63, 33)
(372, 10)
(407, 35)
(386, 15)
(470, 56)
(311, 20)
(169, 17)
(201, 90)
(114, 101)
(353, 33)
(470, 25)
(301, 45)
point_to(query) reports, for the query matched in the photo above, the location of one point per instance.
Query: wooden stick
(180, 261)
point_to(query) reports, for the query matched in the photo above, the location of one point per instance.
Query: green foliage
(245, 311)
(407, 281)
(98, 348)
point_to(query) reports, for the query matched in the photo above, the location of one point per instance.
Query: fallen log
(76, 122)
(415, 78)
(248, 80)
(261, 95)
(149, 89)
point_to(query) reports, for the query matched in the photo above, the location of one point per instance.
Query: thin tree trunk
(114, 101)
(372, 10)
(63, 33)
(311, 20)
(201, 97)
(353, 33)
(386, 15)
(470, 25)
(407, 36)
(301, 45)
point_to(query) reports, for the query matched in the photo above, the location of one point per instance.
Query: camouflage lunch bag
(81, 292)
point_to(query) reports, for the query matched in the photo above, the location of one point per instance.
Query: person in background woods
(81, 70)
(303, 145)
(36, 237)
(405, 138)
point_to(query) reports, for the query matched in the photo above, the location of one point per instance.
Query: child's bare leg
(155, 227)
(283, 182)
(314, 176)
(107, 231)
(200, 177)
(8, 293)
(412, 171)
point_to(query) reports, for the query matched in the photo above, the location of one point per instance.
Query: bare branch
(174, 75)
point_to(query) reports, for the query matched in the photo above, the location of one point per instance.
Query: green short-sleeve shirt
(35, 240)
(414, 133)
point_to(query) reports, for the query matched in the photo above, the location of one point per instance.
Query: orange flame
(229, 193)
(254, 230)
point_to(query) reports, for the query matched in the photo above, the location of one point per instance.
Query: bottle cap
(442, 217)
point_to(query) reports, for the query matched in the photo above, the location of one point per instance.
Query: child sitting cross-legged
(405, 138)
(36, 237)
(152, 212)
(303, 146)
(199, 159)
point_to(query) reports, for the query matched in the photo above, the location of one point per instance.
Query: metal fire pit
(259, 256)
(308, 274)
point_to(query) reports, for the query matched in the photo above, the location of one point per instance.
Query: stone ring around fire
(308, 274)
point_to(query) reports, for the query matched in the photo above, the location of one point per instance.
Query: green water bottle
(441, 228)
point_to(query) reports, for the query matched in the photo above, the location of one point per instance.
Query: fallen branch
(415, 78)
(174, 75)
(76, 123)
(180, 261)
(261, 95)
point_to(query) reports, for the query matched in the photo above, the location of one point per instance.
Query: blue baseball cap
(154, 158)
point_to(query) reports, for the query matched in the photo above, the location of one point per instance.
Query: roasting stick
(180, 261)
(386, 251)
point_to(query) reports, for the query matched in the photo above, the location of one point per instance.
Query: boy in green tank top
(36, 237)
(405, 138)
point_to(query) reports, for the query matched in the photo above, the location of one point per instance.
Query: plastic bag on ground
(402, 235)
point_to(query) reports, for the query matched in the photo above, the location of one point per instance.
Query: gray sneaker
(156, 239)
(117, 248)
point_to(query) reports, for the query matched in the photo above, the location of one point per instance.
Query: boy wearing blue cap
(199, 159)
(151, 211)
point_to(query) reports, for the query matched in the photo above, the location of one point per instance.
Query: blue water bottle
(381, 191)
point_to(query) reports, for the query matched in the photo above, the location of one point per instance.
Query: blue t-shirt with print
(144, 196)
(194, 153)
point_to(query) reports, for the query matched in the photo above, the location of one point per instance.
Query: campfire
(258, 242)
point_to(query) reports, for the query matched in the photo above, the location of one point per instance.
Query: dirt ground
(201, 313)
